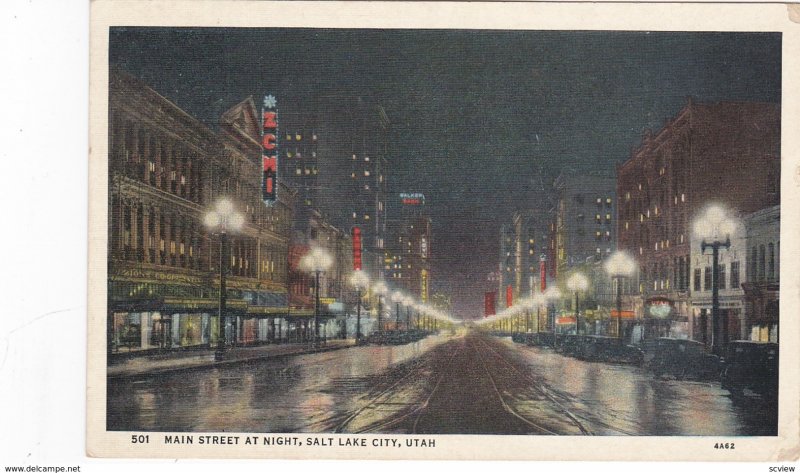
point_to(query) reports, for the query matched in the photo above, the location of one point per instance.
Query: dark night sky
(479, 118)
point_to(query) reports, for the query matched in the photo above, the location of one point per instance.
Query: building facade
(762, 284)
(585, 218)
(166, 171)
(726, 153)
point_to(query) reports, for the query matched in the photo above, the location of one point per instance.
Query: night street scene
(443, 231)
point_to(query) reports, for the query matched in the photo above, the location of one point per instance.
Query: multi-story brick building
(166, 171)
(585, 216)
(728, 153)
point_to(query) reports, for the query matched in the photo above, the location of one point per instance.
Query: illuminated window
(380, 178)
(298, 137)
(366, 172)
(366, 217)
(366, 187)
(182, 248)
(288, 154)
(288, 136)
(608, 216)
(626, 225)
(353, 175)
(627, 196)
(152, 166)
(599, 201)
(366, 158)
(298, 171)
(640, 186)
(683, 197)
(314, 137)
(354, 215)
(608, 200)
(354, 157)
(313, 154)
(314, 171)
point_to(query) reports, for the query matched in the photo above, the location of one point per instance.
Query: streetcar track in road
(505, 405)
(547, 392)
(535, 387)
(375, 402)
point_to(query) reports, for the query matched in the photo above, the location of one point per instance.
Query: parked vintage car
(683, 359)
(608, 349)
(750, 370)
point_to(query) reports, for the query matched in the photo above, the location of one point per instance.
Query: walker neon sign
(269, 150)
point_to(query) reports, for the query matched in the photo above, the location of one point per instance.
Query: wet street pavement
(466, 383)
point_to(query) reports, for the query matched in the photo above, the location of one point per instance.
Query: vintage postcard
(443, 231)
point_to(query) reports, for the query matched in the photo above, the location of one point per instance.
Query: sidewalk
(178, 361)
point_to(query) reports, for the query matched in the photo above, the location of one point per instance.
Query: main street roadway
(464, 383)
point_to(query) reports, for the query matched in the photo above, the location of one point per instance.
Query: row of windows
(168, 240)
(312, 171)
(297, 136)
(160, 163)
(762, 262)
(707, 277)
(296, 153)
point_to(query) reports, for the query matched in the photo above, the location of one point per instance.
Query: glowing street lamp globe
(620, 264)
(577, 282)
(714, 224)
(359, 280)
(398, 297)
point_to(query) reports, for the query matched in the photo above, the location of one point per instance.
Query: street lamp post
(714, 228)
(620, 265)
(397, 298)
(223, 218)
(409, 302)
(360, 281)
(551, 294)
(380, 290)
(577, 283)
(316, 261)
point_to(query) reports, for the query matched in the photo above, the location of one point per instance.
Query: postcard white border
(425, 15)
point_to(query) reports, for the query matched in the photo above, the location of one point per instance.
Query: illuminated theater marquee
(269, 150)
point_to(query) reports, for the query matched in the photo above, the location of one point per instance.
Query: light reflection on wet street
(466, 383)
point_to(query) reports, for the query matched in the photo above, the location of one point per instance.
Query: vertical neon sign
(269, 150)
